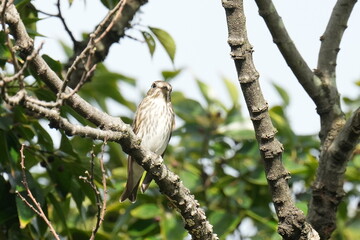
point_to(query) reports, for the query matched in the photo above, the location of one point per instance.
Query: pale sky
(200, 32)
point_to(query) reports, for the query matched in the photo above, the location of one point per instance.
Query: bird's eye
(153, 85)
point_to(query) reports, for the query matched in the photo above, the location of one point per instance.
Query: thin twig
(118, 9)
(59, 15)
(18, 74)
(90, 179)
(93, 39)
(8, 42)
(37, 209)
(83, 80)
(102, 207)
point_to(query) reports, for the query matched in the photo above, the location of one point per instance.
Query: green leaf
(59, 211)
(166, 41)
(4, 148)
(232, 90)
(190, 178)
(146, 211)
(44, 139)
(105, 84)
(53, 64)
(272, 225)
(110, 4)
(66, 146)
(142, 228)
(283, 94)
(67, 50)
(150, 42)
(168, 75)
(21, 3)
(25, 214)
(224, 222)
(187, 109)
(7, 198)
(171, 226)
(207, 92)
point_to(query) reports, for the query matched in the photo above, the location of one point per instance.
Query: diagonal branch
(310, 82)
(292, 224)
(170, 184)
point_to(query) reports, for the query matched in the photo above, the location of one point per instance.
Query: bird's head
(160, 89)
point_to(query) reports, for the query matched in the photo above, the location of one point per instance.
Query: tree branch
(120, 22)
(319, 87)
(331, 116)
(292, 224)
(330, 40)
(327, 190)
(169, 183)
(310, 82)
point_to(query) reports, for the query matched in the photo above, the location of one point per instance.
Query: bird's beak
(165, 89)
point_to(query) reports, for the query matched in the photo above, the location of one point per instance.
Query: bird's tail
(135, 172)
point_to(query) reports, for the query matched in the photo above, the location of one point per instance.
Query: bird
(153, 123)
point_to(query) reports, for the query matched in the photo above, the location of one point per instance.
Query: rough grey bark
(327, 189)
(320, 84)
(292, 224)
(114, 129)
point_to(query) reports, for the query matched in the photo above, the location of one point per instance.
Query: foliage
(213, 150)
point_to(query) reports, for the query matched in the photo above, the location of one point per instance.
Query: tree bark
(292, 224)
(320, 85)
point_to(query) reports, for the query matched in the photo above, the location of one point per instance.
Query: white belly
(156, 137)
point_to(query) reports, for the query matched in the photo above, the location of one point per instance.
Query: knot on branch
(234, 42)
(257, 112)
(248, 78)
(268, 135)
(271, 149)
(292, 225)
(237, 54)
(323, 194)
(356, 123)
(230, 5)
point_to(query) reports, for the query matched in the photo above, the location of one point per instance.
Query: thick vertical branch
(321, 87)
(292, 224)
(327, 190)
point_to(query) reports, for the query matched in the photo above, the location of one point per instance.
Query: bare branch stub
(292, 224)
